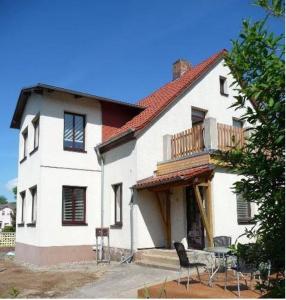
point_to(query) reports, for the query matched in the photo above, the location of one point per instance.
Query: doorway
(195, 228)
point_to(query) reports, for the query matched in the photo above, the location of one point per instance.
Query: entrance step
(168, 259)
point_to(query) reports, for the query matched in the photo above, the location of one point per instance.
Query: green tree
(3, 200)
(257, 63)
(14, 215)
(14, 191)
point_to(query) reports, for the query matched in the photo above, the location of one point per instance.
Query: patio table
(220, 253)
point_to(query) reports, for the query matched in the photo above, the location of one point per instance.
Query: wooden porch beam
(160, 208)
(203, 214)
(203, 184)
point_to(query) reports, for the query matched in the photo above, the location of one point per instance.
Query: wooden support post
(209, 207)
(203, 214)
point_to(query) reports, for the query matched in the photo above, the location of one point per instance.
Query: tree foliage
(3, 200)
(257, 63)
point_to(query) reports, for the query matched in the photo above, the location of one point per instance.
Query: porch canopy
(199, 178)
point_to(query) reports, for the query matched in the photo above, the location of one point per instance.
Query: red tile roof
(158, 100)
(174, 177)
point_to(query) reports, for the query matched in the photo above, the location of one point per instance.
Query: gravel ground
(26, 281)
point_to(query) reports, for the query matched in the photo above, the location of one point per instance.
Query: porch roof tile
(174, 177)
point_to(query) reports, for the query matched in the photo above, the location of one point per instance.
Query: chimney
(180, 67)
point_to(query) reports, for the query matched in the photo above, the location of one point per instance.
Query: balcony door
(195, 228)
(198, 116)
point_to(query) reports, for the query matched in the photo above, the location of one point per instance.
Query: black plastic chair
(185, 263)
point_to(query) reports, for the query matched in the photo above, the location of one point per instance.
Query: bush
(8, 229)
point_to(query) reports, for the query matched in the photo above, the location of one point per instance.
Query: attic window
(223, 86)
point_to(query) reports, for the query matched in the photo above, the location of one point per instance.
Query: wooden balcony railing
(187, 142)
(229, 136)
(192, 141)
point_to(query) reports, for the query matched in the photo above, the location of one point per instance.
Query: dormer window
(223, 86)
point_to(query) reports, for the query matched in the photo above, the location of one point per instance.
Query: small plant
(162, 291)
(14, 292)
(8, 229)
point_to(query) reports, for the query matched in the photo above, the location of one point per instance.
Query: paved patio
(200, 290)
(122, 281)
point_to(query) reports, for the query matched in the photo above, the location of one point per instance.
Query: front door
(195, 228)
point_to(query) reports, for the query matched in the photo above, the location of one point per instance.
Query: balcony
(197, 139)
(192, 147)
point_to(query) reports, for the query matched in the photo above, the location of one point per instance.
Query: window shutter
(74, 205)
(68, 209)
(78, 204)
(243, 210)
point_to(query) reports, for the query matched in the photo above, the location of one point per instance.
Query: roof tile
(158, 100)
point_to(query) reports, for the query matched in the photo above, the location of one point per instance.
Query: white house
(6, 212)
(144, 170)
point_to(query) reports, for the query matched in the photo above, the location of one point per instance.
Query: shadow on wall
(178, 216)
(151, 232)
(121, 152)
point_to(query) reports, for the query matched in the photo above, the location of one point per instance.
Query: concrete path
(122, 281)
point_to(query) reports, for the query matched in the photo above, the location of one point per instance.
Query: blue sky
(118, 49)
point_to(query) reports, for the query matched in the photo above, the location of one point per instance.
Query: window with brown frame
(117, 189)
(25, 144)
(237, 123)
(23, 196)
(243, 210)
(74, 205)
(33, 191)
(223, 86)
(36, 125)
(74, 132)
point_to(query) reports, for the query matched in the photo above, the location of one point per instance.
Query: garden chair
(222, 241)
(185, 263)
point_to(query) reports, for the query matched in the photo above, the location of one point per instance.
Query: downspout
(101, 160)
(129, 258)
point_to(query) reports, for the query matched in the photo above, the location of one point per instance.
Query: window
(33, 191)
(36, 123)
(117, 189)
(243, 210)
(223, 86)
(3, 212)
(74, 132)
(237, 123)
(198, 116)
(23, 196)
(25, 143)
(74, 205)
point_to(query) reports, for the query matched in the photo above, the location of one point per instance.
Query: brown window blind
(74, 205)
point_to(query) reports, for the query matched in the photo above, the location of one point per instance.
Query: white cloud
(11, 184)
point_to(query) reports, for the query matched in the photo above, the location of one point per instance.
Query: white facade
(51, 167)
